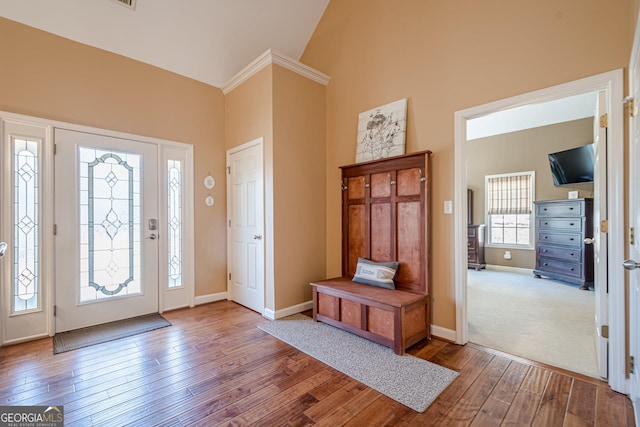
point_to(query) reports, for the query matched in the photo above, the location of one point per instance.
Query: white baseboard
(205, 299)
(443, 333)
(437, 331)
(279, 314)
(509, 269)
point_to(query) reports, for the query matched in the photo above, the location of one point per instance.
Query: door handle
(3, 248)
(258, 236)
(630, 264)
(588, 241)
(152, 236)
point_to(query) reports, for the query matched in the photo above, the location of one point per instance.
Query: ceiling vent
(131, 4)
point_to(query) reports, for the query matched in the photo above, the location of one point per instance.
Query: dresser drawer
(563, 209)
(568, 254)
(472, 256)
(568, 224)
(565, 239)
(472, 232)
(557, 266)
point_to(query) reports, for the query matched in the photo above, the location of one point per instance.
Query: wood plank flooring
(214, 367)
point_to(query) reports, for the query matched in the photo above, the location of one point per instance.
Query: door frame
(612, 83)
(634, 203)
(267, 241)
(47, 279)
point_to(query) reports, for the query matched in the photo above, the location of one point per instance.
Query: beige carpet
(539, 319)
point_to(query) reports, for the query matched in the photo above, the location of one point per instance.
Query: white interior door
(634, 223)
(245, 214)
(599, 240)
(106, 210)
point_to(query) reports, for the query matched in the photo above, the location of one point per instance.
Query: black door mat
(84, 337)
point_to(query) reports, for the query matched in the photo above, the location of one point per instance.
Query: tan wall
(249, 115)
(444, 57)
(522, 151)
(288, 110)
(54, 78)
(299, 185)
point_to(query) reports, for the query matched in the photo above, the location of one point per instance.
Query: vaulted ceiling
(207, 40)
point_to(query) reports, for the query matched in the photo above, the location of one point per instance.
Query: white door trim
(267, 240)
(612, 82)
(48, 211)
(634, 202)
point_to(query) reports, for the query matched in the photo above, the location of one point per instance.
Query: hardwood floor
(214, 367)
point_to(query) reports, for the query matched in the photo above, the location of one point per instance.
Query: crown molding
(271, 57)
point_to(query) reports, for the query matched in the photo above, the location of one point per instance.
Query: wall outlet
(573, 194)
(507, 255)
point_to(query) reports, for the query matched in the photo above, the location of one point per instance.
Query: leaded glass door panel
(107, 234)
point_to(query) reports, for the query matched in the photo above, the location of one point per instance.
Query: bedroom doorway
(611, 83)
(509, 309)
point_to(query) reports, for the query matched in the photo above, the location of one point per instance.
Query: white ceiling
(207, 40)
(533, 115)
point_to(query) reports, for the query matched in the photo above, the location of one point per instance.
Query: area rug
(84, 337)
(406, 379)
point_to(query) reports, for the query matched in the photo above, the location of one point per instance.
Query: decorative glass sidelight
(26, 225)
(109, 224)
(174, 180)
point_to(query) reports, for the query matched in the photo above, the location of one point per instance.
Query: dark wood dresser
(475, 246)
(561, 251)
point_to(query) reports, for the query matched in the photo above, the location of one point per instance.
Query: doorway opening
(510, 309)
(612, 308)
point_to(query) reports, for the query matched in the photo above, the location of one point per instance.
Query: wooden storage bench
(393, 318)
(385, 218)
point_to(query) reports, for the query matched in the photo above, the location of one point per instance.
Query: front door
(106, 244)
(245, 247)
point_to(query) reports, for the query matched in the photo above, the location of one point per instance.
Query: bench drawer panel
(328, 305)
(415, 321)
(380, 322)
(351, 313)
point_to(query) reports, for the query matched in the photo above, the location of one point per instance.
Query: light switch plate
(448, 206)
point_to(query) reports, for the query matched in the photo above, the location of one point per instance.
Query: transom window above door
(509, 200)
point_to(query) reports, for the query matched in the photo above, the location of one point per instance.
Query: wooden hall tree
(385, 217)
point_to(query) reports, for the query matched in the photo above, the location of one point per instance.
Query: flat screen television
(573, 166)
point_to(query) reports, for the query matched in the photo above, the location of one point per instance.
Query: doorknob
(152, 236)
(258, 236)
(630, 264)
(588, 241)
(3, 248)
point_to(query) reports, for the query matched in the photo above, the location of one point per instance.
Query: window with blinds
(509, 205)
